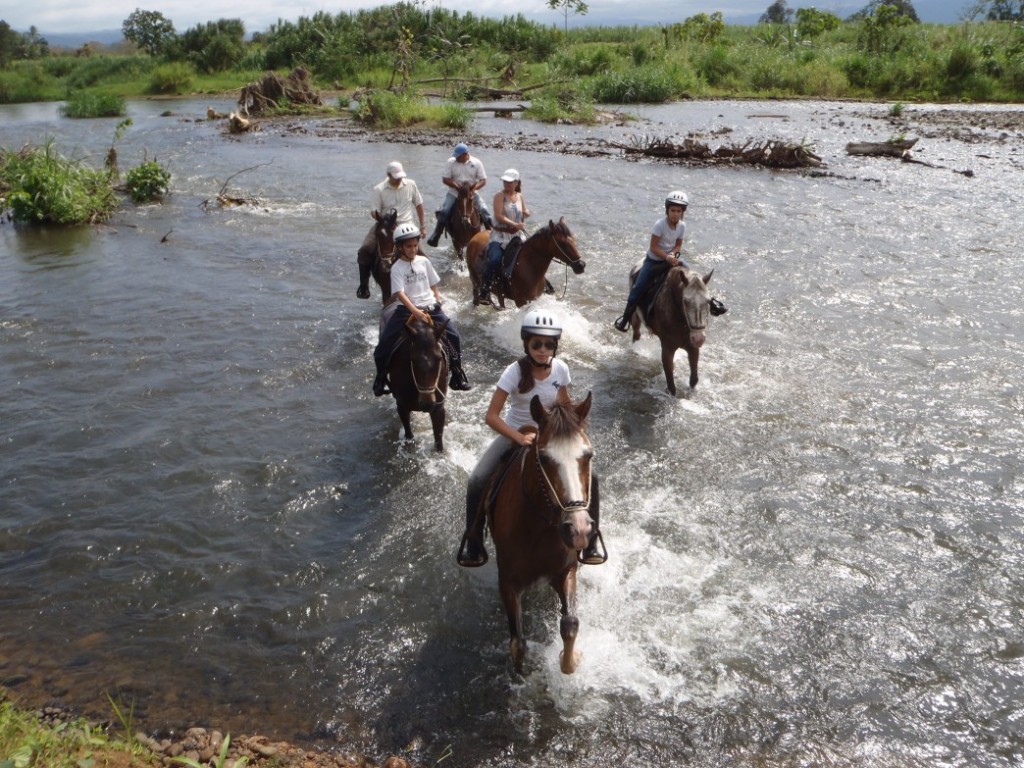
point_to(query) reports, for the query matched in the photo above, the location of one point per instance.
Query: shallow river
(817, 558)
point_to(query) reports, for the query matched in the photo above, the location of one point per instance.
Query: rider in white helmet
(414, 284)
(663, 250)
(538, 372)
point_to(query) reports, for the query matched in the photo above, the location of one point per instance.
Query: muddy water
(815, 557)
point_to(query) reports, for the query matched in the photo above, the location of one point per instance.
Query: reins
(548, 488)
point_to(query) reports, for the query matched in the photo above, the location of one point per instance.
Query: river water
(817, 558)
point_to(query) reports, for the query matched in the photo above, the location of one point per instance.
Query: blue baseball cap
(460, 150)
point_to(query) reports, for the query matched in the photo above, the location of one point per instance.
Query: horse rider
(461, 168)
(510, 213)
(397, 191)
(537, 372)
(414, 284)
(664, 248)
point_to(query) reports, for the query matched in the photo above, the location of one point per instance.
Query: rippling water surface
(816, 557)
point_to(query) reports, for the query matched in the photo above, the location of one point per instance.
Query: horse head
(565, 244)
(386, 223)
(563, 454)
(465, 206)
(427, 361)
(692, 294)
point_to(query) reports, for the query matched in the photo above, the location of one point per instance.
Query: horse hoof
(362, 292)
(574, 662)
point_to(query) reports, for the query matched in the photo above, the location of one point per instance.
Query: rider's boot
(622, 324)
(363, 291)
(595, 553)
(472, 553)
(380, 382)
(458, 380)
(716, 307)
(435, 236)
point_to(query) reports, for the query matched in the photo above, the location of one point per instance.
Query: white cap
(395, 170)
(510, 175)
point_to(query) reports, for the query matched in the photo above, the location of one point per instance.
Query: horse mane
(563, 420)
(553, 228)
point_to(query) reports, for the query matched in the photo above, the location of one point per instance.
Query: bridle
(427, 388)
(387, 259)
(550, 494)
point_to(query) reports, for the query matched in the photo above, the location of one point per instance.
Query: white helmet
(406, 232)
(677, 197)
(537, 322)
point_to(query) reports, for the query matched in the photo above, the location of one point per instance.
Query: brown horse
(551, 243)
(682, 296)
(418, 376)
(540, 520)
(381, 269)
(464, 221)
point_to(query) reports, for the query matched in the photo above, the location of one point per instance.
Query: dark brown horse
(418, 376)
(540, 520)
(551, 243)
(678, 317)
(381, 270)
(464, 221)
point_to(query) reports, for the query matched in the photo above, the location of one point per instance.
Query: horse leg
(437, 419)
(668, 362)
(514, 611)
(403, 413)
(694, 356)
(569, 626)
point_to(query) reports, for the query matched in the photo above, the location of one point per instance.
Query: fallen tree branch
(223, 199)
(771, 153)
(894, 148)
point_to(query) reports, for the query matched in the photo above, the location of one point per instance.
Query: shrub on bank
(175, 77)
(87, 104)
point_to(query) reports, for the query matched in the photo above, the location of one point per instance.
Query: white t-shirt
(666, 236)
(404, 198)
(472, 171)
(519, 404)
(415, 279)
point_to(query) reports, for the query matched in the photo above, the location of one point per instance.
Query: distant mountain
(78, 39)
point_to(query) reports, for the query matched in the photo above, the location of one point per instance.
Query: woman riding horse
(510, 214)
(414, 284)
(537, 373)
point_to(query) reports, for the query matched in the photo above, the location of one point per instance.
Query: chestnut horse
(678, 317)
(418, 376)
(551, 243)
(465, 220)
(540, 520)
(381, 269)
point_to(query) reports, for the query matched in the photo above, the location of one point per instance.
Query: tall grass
(87, 104)
(40, 186)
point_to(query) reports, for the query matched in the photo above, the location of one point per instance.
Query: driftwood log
(896, 148)
(268, 93)
(770, 153)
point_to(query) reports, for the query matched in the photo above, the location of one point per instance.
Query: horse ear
(439, 330)
(707, 277)
(537, 410)
(583, 409)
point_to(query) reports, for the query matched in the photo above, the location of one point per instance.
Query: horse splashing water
(418, 376)
(555, 242)
(540, 520)
(678, 316)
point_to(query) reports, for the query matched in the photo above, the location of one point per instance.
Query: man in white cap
(461, 168)
(397, 191)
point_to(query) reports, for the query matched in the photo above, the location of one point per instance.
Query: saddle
(659, 272)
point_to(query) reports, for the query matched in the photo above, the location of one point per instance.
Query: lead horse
(555, 242)
(540, 520)
(678, 316)
(418, 376)
(464, 222)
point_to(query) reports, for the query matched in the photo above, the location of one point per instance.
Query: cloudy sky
(61, 16)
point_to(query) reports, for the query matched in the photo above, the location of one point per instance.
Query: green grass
(93, 104)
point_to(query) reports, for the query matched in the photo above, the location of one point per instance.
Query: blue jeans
(445, 211)
(650, 269)
(495, 250)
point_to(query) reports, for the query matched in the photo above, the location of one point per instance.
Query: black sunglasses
(546, 344)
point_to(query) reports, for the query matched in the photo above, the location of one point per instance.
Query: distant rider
(460, 169)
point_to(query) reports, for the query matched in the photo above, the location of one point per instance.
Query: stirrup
(622, 324)
(463, 557)
(593, 555)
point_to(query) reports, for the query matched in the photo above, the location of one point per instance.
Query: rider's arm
(415, 311)
(423, 220)
(526, 211)
(499, 425)
(670, 258)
